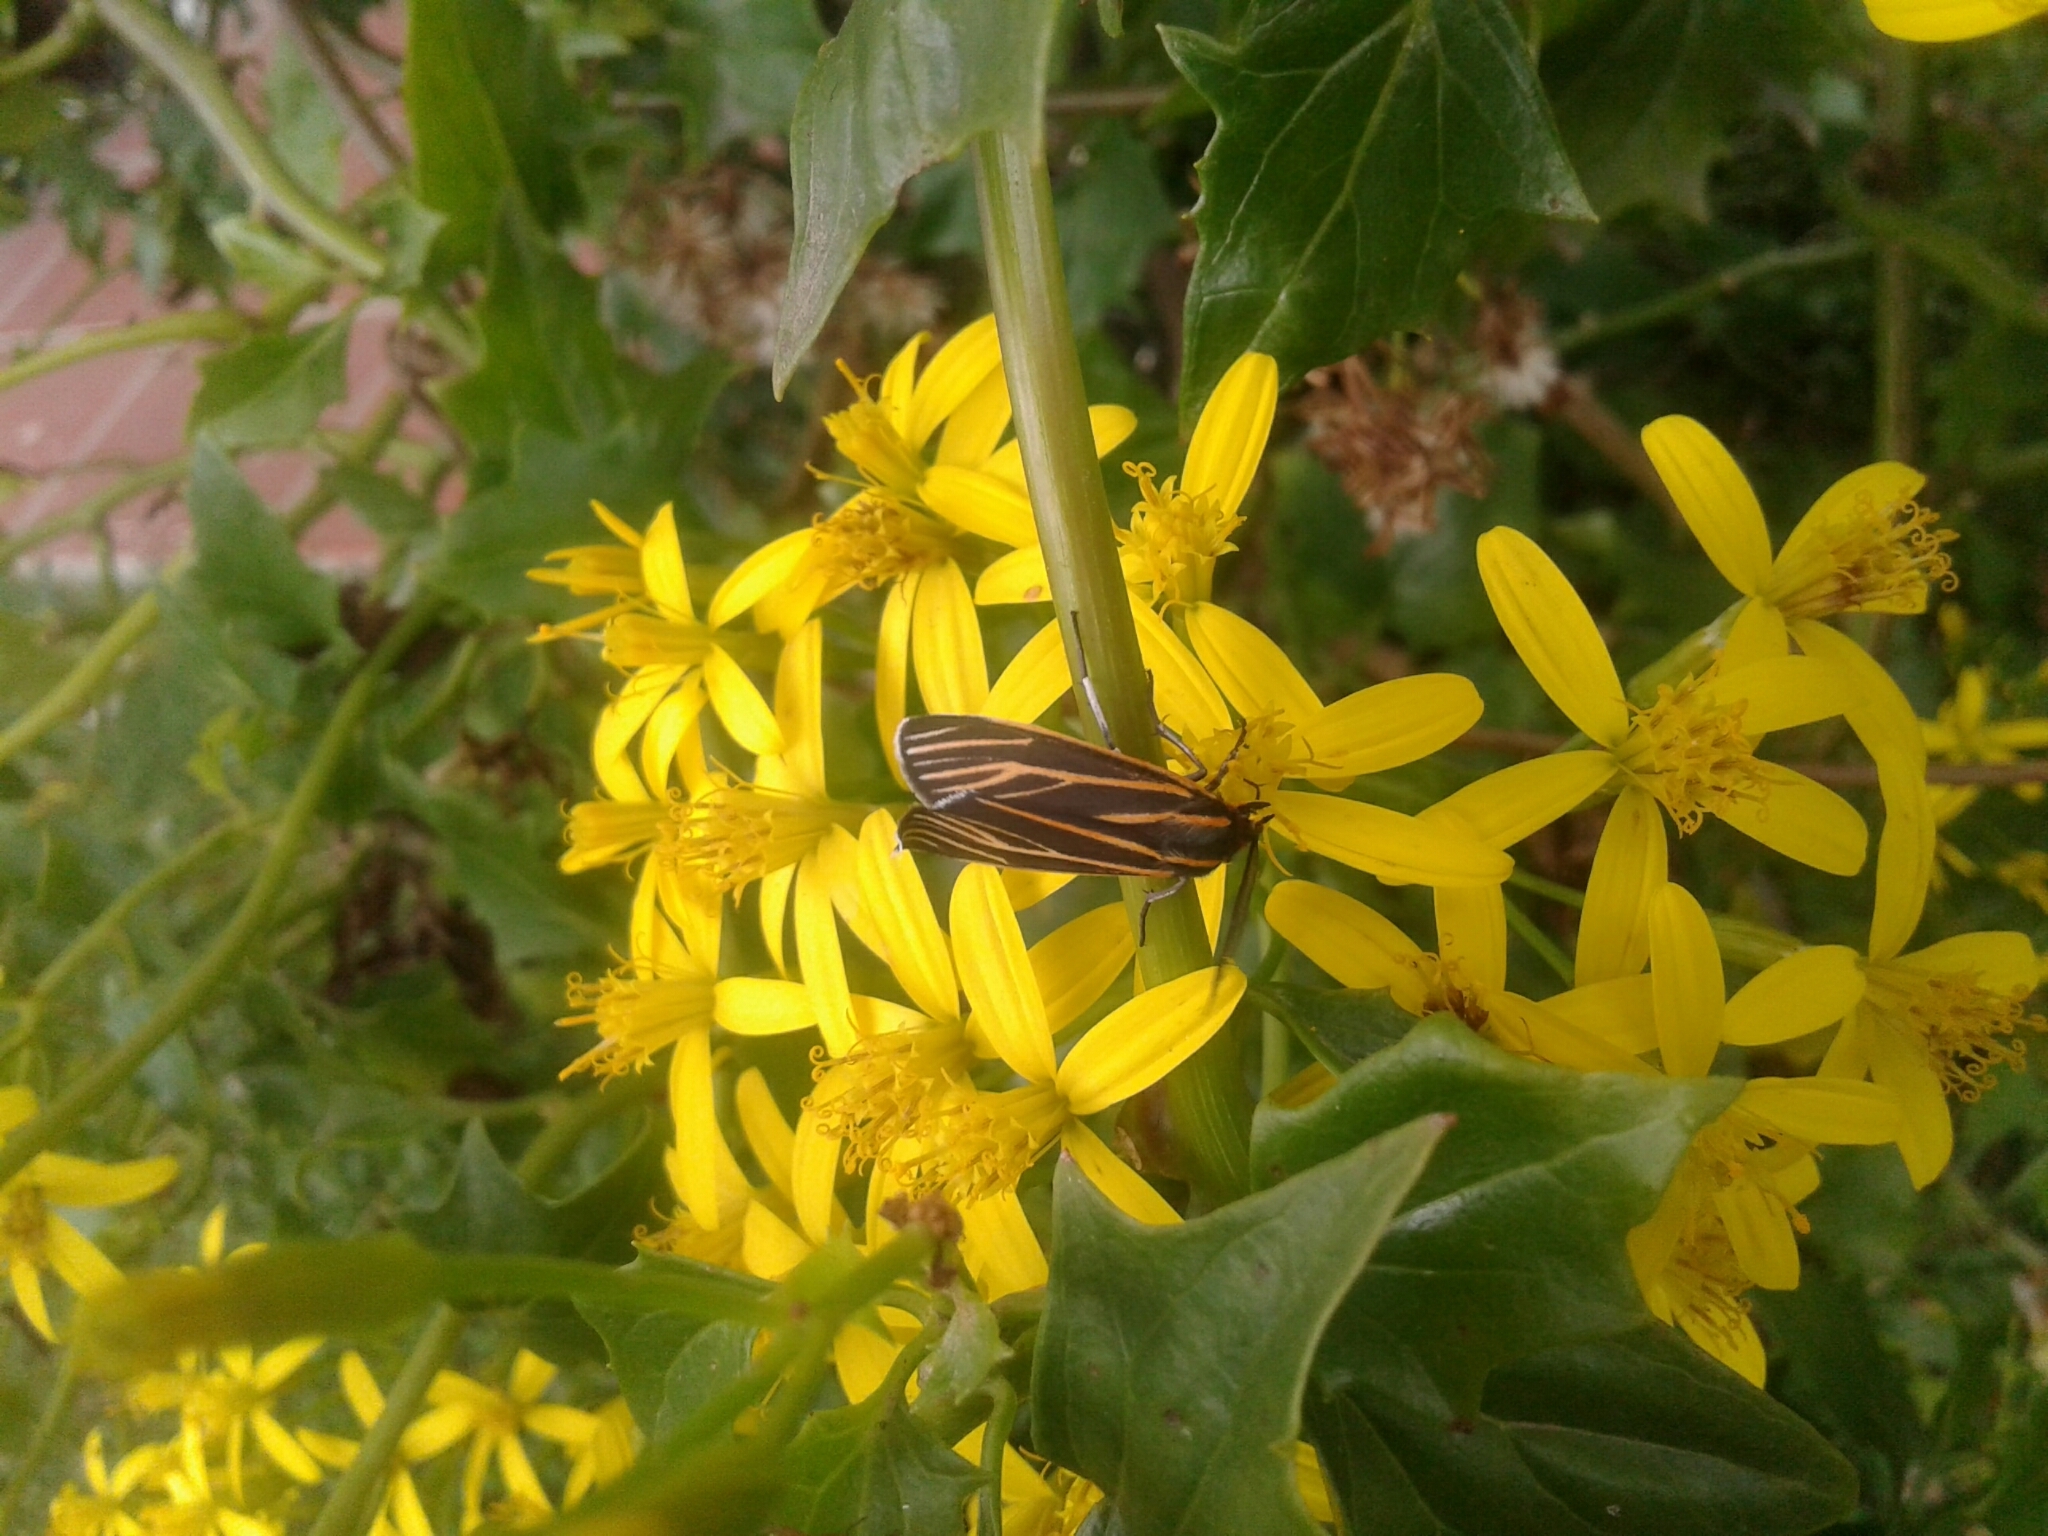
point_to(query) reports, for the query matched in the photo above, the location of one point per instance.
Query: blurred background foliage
(577, 217)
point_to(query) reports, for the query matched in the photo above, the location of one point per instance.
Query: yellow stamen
(1689, 751)
(865, 435)
(733, 834)
(24, 1222)
(908, 1083)
(1968, 1028)
(1253, 764)
(635, 1017)
(1174, 539)
(1868, 557)
(875, 539)
(986, 1144)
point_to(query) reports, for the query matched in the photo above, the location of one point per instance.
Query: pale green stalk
(186, 325)
(88, 512)
(352, 1501)
(82, 684)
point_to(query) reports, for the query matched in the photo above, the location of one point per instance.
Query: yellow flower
(492, 1422)
(103, 1509)
(1933, 1024)
(228, 1404)
(1693, 752)
(33, 1237)
(1948, 21)
(905, 1097)
(399, 1512)
(902, 527)
(674, 665)
(596, 570)
(1728, 1219)
(191, 1507)
(1048, 1502)
(1864, 547)
(1467, 976)
(603, 1453)
(1960, 733)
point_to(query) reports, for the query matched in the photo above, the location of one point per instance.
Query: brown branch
(1573, 403)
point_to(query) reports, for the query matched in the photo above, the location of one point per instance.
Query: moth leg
(1172, 738)
(1087, 686)
(1216, 775)
(1145, 912)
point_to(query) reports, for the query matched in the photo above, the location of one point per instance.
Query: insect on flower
(994, 792)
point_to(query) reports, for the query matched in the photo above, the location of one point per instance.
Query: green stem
(1545, 946)
(41, 56)
(107, 926)
(224, 956)
(82, 684)
(1750, 944)
(1793, 258)
(1275, 1054)
(1897, 414)
(88, 512)
(223, 325)
(56, 1409)
(1205, 1095)
(193, 74)
(351, 1503)
(1549, 890)
(995, 1438)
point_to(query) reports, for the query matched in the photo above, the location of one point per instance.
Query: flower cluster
(226, 1464)
(968, 1024)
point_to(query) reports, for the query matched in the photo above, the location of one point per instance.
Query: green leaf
(651, 1349)
(488, 110)
(1646, 93)
(1112, 215)
(1514, 1241)
(1362, 147)
(597, 1221)
(244, 566)
(265, 258)
(305, 130)
(872, 1468)
(393, 512)
(905, 84)
(1339, 1028)
(507, 872)
(486, 1208)
(1638, 1435)
(269, 392)
(1170, 1361)
(706, 1365)
(756, 53)
(960, 1362)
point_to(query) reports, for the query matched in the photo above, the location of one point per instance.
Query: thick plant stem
(224, 325)
(352, 1501)
(194, 75)
(82, 684)
(1028, 289)
(224, 957)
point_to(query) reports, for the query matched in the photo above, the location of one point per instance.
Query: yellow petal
(800, 710)
(945, 641)
(1506, 806)
(1402, 849)
(1714, 497)
(1807, 990)
(767, 570)
(1758, 634)
(977, 424)
(1798, 1181)
(285, 1453)
(769, 1246)
(1077, 961)
(1348, 939)
(974, 500)
(955, 372)
(1999, 962)
(767, 1133)
(1949, 21)
(1804, 821)
(896, 900)
(739, 705)
(996, 974)
(1139, 1043)
(1731, 1338)
(1552, 632)
(762, 1005)
(1926, 1135)
(1531, 1029)
(1780, 693)
(17, 1107)
(1392, 723)
(1254, 673)
(820, 958)
(77, 1262)
(775, 889)
(1629, 868)
(892, 665)
(813, 1177)
(861, 1358)
(1018, 577)
(1185, 698)
(1231, 434)
(691, 1101)
(1686, 986)
(28, 1295)
(661, 566)
(1209, 891)
(1002, 1252)
(1622, 1011)
(619, 721)
(1028, 887)
(674, 721)
(1472, 929)
(1761, 1235)
(1828, 1111)
(1117, 1179)
(67, 1180)
(1862, 493)
(839, 866)
(1034, 680)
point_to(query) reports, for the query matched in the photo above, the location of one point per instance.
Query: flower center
(1689, 751)
(989, 1140)
(1252, 760)
(867, 438)
(641, 640)
(906, 1084)
(875, 539)
(1968, 1029)
(1706, 1282)
(1449, 991)
(24, 1221)
(1174, 539)
(1868, 558)
(733, 834)
(616, 831)
(215, 1401)
(635, 1017)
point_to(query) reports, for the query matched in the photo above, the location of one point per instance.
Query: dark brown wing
(1025, 798)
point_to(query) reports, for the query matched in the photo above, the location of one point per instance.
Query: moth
(994, 792)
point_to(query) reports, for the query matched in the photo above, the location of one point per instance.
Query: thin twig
(302, 24)
(52, 48)
(1573, 403)
(82, 684)
(1113, 101)
(224, 325)
(350, 1503)
(1595, 328)
(90, 512)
